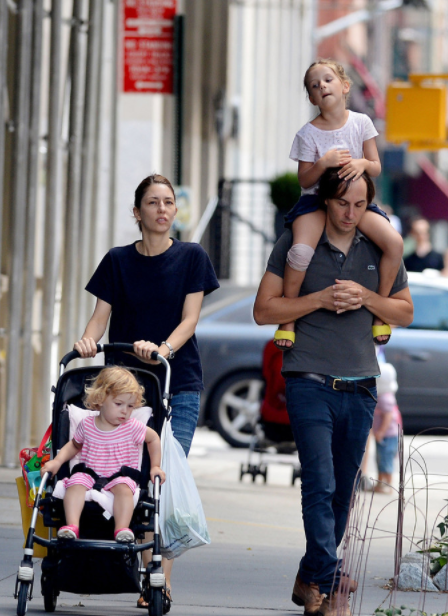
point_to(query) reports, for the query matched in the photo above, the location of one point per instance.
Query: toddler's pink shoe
(124, 535)
(68, 532)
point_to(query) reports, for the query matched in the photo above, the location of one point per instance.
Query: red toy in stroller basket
(31, 461)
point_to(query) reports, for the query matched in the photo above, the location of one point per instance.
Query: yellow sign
(416, 112)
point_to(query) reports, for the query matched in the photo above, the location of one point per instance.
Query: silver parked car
(232, 345)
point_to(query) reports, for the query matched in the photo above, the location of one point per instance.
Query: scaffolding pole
(3, 55)
(87, 161)
(96, 179)
(31, 205)
(18, 200)
(52, 212)
(72, 201)
(113, 126)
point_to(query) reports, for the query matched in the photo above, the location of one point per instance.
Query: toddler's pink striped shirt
(107, 452)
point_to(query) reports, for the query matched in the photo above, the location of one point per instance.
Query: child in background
(341, 138)
(386, 426)
(107, 442)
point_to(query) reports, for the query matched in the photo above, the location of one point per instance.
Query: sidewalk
(257, 539)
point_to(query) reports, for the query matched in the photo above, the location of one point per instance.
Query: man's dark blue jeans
(330, 430)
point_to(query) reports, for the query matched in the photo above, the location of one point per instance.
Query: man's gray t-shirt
(326, 342)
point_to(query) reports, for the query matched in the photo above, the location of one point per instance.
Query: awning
(429, 191)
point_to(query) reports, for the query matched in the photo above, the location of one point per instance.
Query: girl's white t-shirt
(311, 143)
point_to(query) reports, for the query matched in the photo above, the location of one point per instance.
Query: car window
(239, 312)
(430, 307)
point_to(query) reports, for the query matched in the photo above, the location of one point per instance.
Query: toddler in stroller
(99, 563)
(108, 446)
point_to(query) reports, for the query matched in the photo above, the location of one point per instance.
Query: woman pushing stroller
(107, 442)
(152, 292)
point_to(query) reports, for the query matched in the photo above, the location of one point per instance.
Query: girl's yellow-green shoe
(381, 330)
(282, 334)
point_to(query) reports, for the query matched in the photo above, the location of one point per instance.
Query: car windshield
(430, 307)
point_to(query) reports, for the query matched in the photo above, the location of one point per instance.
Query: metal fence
(242, 232)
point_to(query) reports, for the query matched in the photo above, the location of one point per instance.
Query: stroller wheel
(23, 598)
(242, 472)
(50, 599)
(296, 474)
(156, 604)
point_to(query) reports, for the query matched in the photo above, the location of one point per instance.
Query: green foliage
(285, 191)
(438, 551)
(404, 611)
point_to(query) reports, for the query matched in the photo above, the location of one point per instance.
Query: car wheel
(235, 407)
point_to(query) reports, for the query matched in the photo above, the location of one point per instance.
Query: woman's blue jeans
(184, 417)
(330, 430)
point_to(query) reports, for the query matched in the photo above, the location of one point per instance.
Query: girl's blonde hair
(337, 69)
(113, 381)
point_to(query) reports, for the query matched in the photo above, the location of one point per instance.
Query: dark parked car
(232, 345)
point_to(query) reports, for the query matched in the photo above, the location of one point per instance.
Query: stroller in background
(272, 434)
(96, 563)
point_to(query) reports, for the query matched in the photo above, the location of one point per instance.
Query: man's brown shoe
(346, 581)
(335, 605)
(307, 595)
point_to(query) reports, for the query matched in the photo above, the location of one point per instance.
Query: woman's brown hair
(141, 189)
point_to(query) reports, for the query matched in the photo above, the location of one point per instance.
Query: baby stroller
(272, 433)
(96, 563)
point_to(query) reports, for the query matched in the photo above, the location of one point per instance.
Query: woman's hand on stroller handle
(147, 352)
(156, 471)
(87, 347)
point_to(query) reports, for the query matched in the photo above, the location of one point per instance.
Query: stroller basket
(96, 563)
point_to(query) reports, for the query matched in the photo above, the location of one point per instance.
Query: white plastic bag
(182, 518)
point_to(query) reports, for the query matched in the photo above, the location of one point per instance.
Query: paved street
(257, 539)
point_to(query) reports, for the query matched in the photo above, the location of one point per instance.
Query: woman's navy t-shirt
(147, 296)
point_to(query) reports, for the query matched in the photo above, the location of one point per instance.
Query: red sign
(147, 44)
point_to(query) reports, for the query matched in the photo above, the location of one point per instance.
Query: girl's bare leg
(74, 500)
(123, 505)
(307, 230)
(167, 566)
(380, 231)
(386, 477)
(384, 484)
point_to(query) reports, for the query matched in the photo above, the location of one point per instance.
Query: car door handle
(419, 356)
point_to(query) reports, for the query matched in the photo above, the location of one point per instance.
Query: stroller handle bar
(126, 348)
(115, 346)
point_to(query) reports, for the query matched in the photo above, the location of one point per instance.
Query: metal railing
(240, 225)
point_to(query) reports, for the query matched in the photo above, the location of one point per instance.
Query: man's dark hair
(331, 186)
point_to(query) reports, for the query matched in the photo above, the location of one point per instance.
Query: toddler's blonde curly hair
(113, 381)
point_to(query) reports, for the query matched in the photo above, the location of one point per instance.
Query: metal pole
(113, 125)
(18, 200)
(88, 150)
(72, 202)
(31, 203)
(52, 228)
(3, 54)
(95, 211)
(179, 22)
